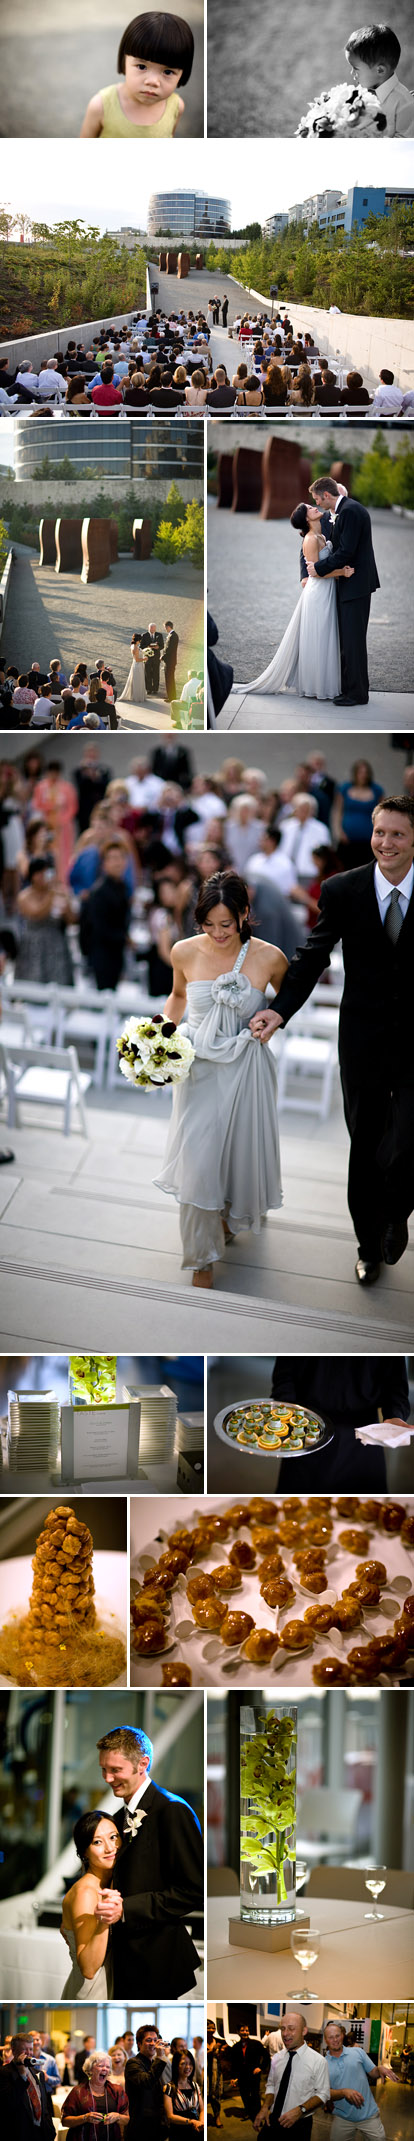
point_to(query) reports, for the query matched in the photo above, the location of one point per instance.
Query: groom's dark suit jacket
(160, 1873)
(376, 1026)
(351, 537)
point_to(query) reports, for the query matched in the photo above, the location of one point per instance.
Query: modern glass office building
(143, 449)
(189, 215)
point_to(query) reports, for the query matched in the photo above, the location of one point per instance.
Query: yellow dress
(114, 123)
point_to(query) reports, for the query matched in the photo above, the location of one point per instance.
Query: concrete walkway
(252, 711)
(90, 1250)
(50, 614)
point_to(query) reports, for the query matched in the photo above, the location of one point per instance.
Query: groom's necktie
(394, 918)
(282, 2090)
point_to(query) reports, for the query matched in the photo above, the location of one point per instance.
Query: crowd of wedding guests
(141, 2086)
(287, 370)
(162, 364)
(99, 876)
(86, 698)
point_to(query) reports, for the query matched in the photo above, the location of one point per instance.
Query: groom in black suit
(372, 911)
(159, 1873)
(350, 533)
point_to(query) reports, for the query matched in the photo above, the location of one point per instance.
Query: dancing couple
(323, 653)
(222, 1158)
(125, 1919)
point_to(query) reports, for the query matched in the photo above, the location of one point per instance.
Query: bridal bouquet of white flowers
(152, 1051)
(343, 110)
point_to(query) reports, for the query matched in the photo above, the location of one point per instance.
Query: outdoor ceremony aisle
(83, 1228)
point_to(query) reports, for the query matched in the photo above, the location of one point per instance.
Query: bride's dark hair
(85, 1830)
(225, 889)
(299, 519)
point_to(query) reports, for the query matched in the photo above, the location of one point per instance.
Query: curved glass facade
(140, 449)
(189, 215)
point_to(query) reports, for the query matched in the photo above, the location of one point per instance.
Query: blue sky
(100, 186)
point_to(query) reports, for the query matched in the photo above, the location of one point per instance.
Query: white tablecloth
(34, 1965)
(357, 1957)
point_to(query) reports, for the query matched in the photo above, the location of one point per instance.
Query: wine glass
(305, 1943)
(302, 1874)
(375, 1882)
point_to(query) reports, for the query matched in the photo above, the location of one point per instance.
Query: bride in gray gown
(98, 1842)
(222, 1159)
(135, 692)
(308, 660)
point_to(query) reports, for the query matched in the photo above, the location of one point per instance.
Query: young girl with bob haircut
(155, 57)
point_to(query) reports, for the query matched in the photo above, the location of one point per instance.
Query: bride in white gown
(135, 692)
(222, 1158)
(98, 1842)
(308, 660)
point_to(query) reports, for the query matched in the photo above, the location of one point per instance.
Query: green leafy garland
(269, 1785)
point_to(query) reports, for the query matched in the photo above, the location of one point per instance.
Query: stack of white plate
(158, 1423)
(190, 1432)
(34, 1431)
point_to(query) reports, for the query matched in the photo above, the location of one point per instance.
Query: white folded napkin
(391, 1432)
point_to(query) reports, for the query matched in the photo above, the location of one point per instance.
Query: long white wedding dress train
(222, 1155)
(308, 660)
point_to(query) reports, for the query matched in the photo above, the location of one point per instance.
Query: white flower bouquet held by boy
(153, 1051)
(343, 110)
(375, 101)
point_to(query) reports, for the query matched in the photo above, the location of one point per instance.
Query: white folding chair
(87, 1019)
(46, 1077)
(303, 1058)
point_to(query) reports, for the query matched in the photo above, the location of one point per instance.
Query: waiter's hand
(399, 1423)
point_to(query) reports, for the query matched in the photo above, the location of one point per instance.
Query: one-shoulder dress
(222, 1157)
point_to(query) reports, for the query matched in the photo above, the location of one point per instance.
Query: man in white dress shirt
(376, 1027)
(297, 2084)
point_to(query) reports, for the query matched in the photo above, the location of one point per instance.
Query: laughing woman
(222, 1159)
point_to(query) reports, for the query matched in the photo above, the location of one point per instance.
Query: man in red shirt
(106, 395)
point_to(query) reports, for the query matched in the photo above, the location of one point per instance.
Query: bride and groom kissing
(125, 1918)
(323, 653)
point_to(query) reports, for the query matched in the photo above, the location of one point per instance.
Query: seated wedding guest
(57, 678)
(274, 386)
(25, 385)
(250, 394)
(44, 709)
(50, 380)
(183, 2102)
(76, 397)
(349, 1394)
(311, 347)
(23, 695)
(355, 392)
(220, 395)
(329, 395)
(24, 2102)
(107, 396)
(135, 392)
(96, 2101)
(407, 404)
(301, 393)
(387, 398)
(180, 380)
(298, 2082)
(196, 393)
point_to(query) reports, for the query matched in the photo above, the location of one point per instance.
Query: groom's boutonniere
(133, 1822)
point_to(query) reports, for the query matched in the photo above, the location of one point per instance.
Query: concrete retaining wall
(4, 586)
(46, 345)
(44, 492)
(365, 344)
